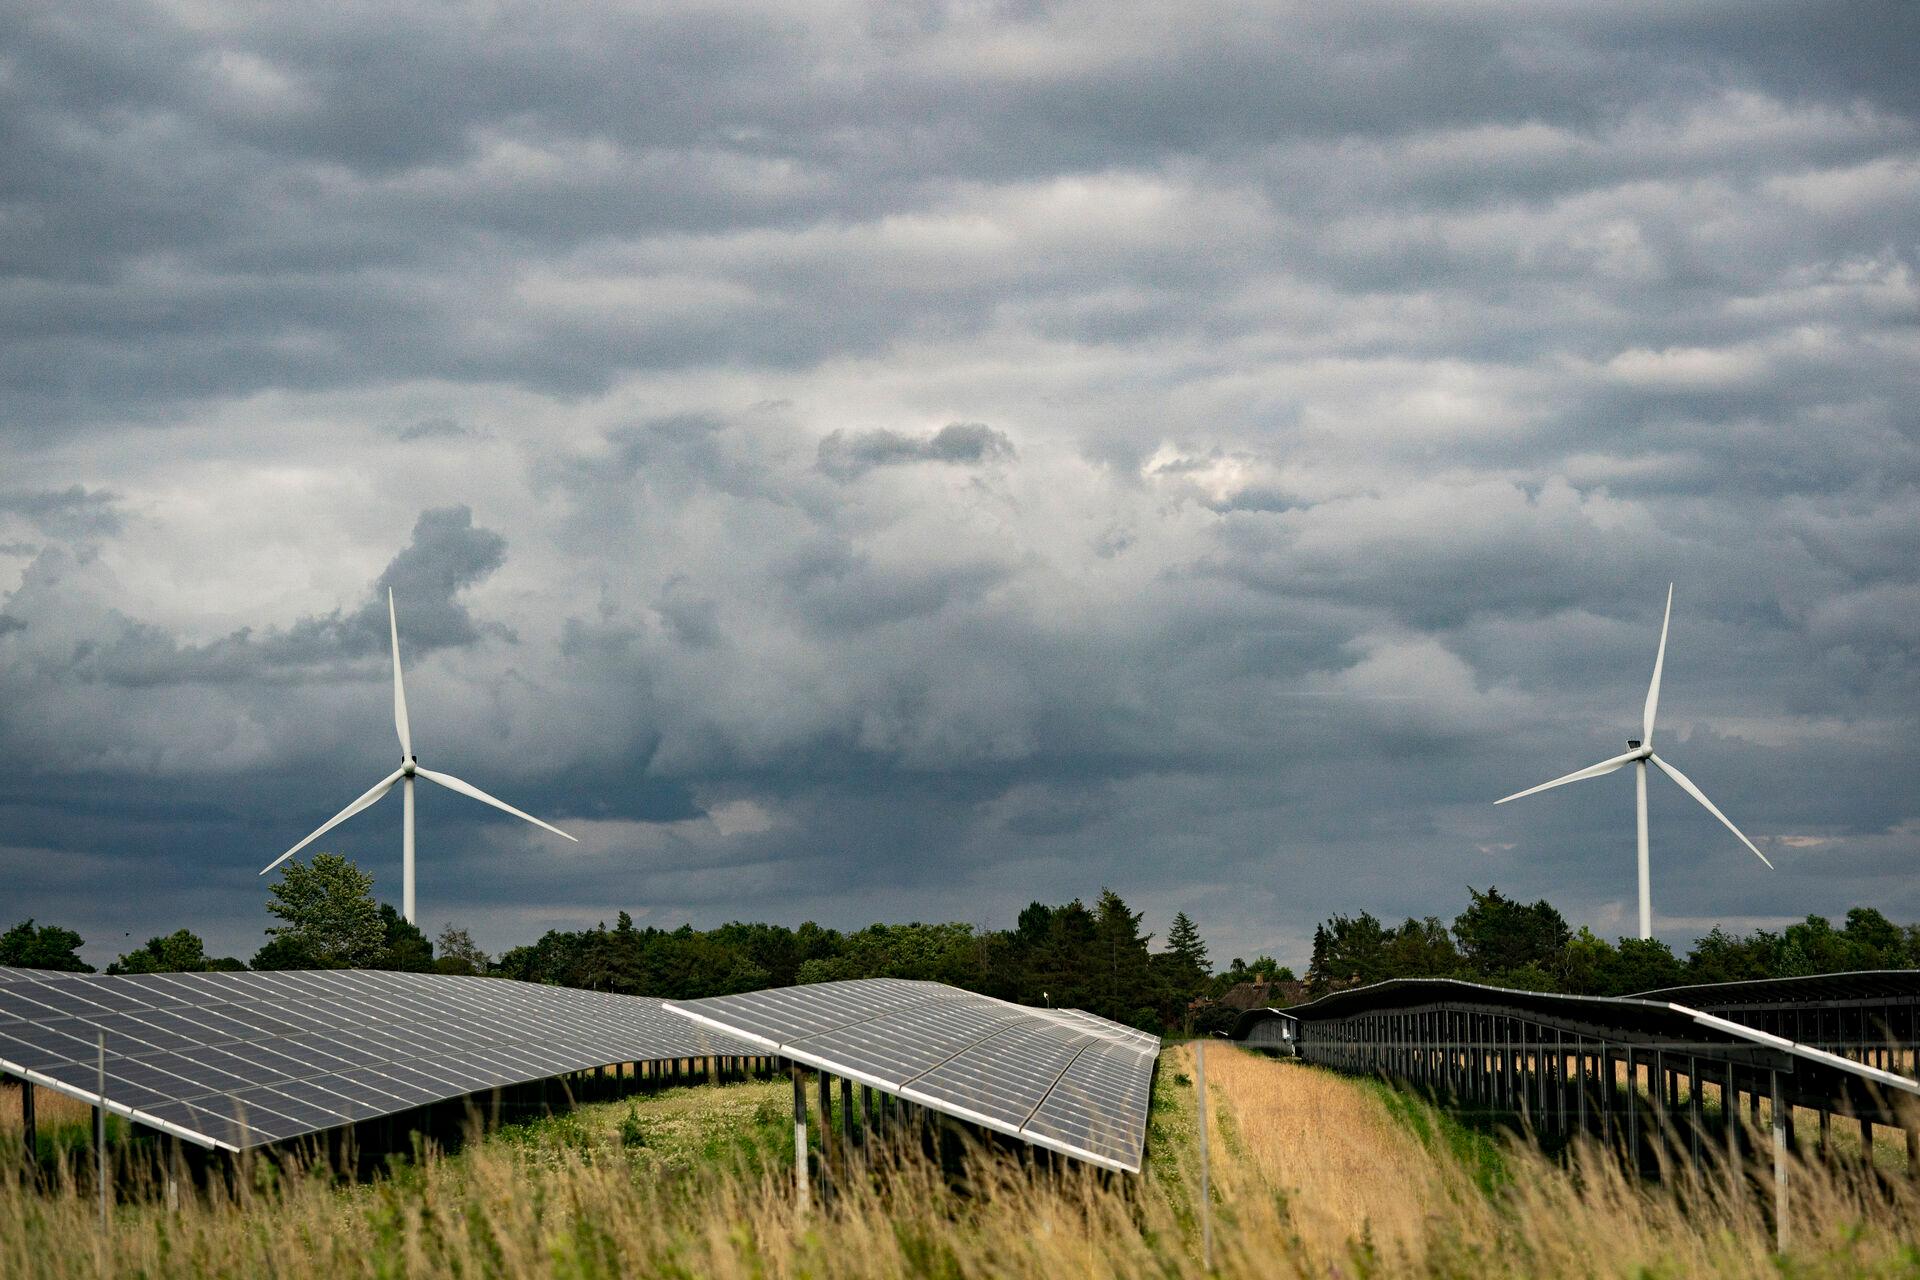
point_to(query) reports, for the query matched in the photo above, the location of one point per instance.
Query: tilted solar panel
(1059, 1078)
(237, 1060)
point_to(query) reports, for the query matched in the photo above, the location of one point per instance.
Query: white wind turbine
(1640, 751)
(404, 775)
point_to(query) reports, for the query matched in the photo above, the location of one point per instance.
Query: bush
(632, 1132)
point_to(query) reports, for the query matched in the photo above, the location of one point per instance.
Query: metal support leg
(1780, 1216)
(29, 1129)
(802, 1191)
(846, 1121)
(1633, 1111)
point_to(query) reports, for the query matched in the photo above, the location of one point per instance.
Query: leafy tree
(403, 946)
(47, 946)
(1347, 950)
(1421, 949)
(1728, 957)
(458, 954)
(181, 951)
(1644, 964)
(331, 918)
(1496, 934)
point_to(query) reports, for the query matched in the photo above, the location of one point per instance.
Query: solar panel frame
(949, 1050)
(236, 1060)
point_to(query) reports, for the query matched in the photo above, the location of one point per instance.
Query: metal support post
(802, 1192)
(1730, 1115)
(846, 1121)
(29, 1130)
(100, 1133)
(1780, 1231)
(1633, 1111)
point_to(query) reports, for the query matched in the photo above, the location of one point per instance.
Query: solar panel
(237, 1060)
(1058, 1078)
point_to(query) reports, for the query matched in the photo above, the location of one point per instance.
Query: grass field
(1313, 1174)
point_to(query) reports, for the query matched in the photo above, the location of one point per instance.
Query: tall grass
(1313, 1174)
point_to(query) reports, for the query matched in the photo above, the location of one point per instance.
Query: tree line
(1095, 957)
(1072, 955)
(1509, 943)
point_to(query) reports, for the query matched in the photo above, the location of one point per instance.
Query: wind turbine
(404, 775)
(1639, 752)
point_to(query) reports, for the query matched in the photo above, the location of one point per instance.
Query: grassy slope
(1312, 1174)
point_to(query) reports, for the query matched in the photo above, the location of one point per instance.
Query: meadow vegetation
(1312, 1174)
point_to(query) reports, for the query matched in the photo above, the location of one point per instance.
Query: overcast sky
(897, 461)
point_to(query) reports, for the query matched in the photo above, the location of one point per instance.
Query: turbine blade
(379, 789)
(399, 685)
(1579, 775)
(1686, 785)
(1653, 690)
(452, 783)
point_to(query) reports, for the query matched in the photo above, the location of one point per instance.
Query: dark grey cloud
(74, 513)
(845, 455)
(1372, 372)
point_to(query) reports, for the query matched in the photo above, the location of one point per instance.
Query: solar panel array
(1058, 1078)
(237, 1060)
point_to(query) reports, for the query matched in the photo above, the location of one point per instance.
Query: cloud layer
(856, 461)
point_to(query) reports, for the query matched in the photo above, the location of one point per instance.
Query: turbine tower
(1639, 753)
(409, 769)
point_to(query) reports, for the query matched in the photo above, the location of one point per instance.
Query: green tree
(181, 951)
(1644, 964)
(1347, 951)
(1421, 949)
(47, 946)
(458, 954)
(331, 919)
(1722, 956)
(1497, 934)
(403, 946)
(1123, 979)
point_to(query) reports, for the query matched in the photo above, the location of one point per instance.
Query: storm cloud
(863, 461)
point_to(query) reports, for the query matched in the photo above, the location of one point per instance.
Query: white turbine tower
(1639, 752)
(404, 775)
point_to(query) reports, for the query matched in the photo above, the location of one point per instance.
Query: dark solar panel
(240, 1059)
(1059, 1078)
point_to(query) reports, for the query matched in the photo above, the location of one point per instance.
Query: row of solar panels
(1060, 1079)
(238, 1060)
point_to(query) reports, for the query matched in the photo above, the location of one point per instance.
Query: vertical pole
(1730, 1113)
(1646, 874)
(406, 848)
(29, 1130)
(846, 1121)
(826, 1134)
(1780, 1231)
(1580, 1081)
(100, 1134)
(802, 1192)
(173, 1175)
(1696, 1111)
(1633, 1110)
(1206, 1191)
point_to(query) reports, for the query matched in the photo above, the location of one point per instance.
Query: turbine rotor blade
(1579, 775)
(452, 783)
(1686, 785)
(1653, 690)
(399, 685)
(378, 789)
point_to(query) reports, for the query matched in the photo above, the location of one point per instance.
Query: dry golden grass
(51, 1110)
(1313, 1175)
